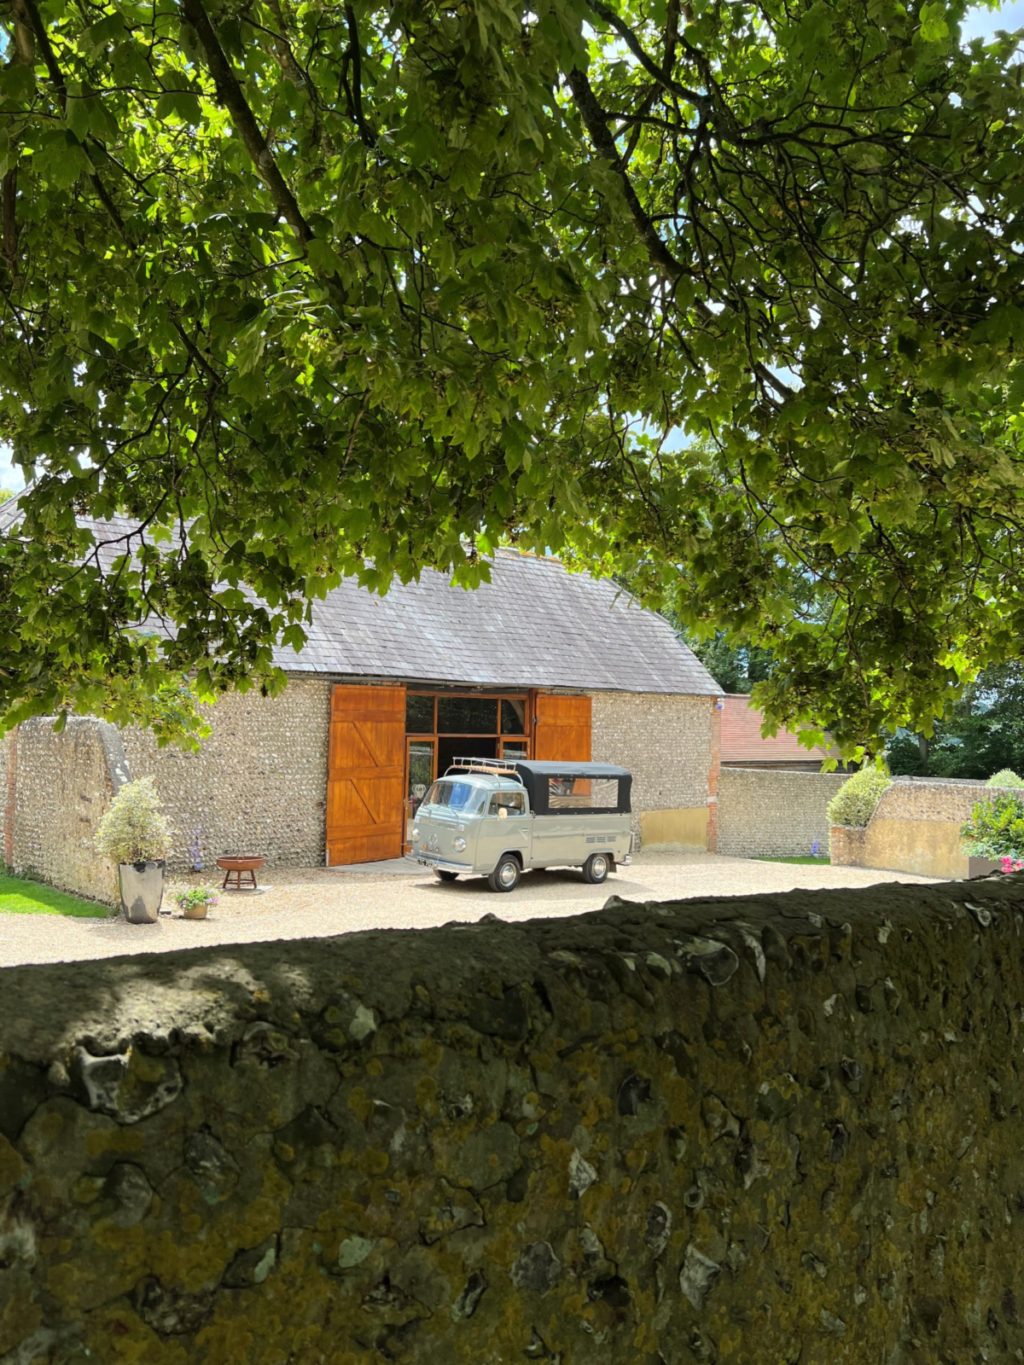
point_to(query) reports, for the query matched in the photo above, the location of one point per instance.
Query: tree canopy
(719, 297)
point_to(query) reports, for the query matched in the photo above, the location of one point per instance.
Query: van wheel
(506, 874)
(596, 868)
(445, 876)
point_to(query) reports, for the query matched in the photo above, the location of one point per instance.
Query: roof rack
(494, 766)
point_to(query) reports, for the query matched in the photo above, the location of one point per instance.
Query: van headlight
(459, 845)
(415, 831)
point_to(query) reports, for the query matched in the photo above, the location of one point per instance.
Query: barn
(538, 663)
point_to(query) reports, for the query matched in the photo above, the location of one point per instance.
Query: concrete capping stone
(113, 751)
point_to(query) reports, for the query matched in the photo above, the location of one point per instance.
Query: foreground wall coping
(728, 1131)
(212, 994)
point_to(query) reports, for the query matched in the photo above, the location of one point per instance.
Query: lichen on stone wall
(776, 1129)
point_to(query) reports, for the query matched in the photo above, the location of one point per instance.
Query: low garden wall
(745, 1131)
(771, 812)
(915, 828)
(56, 787)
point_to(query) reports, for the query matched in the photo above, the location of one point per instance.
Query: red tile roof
(742, 741)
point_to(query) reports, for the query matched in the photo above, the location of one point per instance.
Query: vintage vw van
(497, 819)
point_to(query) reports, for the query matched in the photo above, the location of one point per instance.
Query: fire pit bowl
(239, 865)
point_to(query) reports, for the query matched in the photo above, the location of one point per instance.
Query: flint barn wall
(915, 828)
(56, 787)
(6, 798)
(744, 1132)
(259, 782)
(666, 742)
(769, 812)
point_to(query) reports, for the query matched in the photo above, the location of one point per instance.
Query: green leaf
(934, 25)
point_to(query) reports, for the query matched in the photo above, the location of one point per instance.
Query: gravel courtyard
(317, 902)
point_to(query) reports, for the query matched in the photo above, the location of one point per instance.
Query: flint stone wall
(666, 742)
(915, 828)
(6, 797)
(257, 785)
(770, 812)
(779, 1129)
(57, 785)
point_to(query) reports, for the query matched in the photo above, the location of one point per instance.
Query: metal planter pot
(982, 867)
(142, 890)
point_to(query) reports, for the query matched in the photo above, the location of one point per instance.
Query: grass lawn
(19, 897)
(814, 862)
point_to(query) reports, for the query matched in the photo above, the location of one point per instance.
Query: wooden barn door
(366, 774)
(562, 729)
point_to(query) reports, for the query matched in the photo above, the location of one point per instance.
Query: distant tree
(983, 733)
(736, 668)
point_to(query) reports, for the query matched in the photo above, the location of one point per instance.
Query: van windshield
(453, 794)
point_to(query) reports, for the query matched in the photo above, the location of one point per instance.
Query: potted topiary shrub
(994, 833)
(135, 835)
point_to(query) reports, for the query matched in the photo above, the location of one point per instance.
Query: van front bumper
(438, 864)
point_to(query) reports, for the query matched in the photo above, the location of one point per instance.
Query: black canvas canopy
(542, 778)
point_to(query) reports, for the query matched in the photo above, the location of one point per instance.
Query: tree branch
(230, 93)
(365, 131)
(10, 221)
(594, 118)
(661, 74)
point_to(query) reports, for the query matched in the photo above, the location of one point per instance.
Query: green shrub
(855, 801)
(1005, 777)
(134, 829)
(996, 828)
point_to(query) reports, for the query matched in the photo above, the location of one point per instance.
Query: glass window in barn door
(420, 768)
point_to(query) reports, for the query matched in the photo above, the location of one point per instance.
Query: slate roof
(534, 625)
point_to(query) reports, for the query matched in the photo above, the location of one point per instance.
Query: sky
(979, 23)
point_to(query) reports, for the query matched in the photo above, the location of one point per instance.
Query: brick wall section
(665, 741)
(62, 784)
(259, 782)
(769, 812)
(737, 1131)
